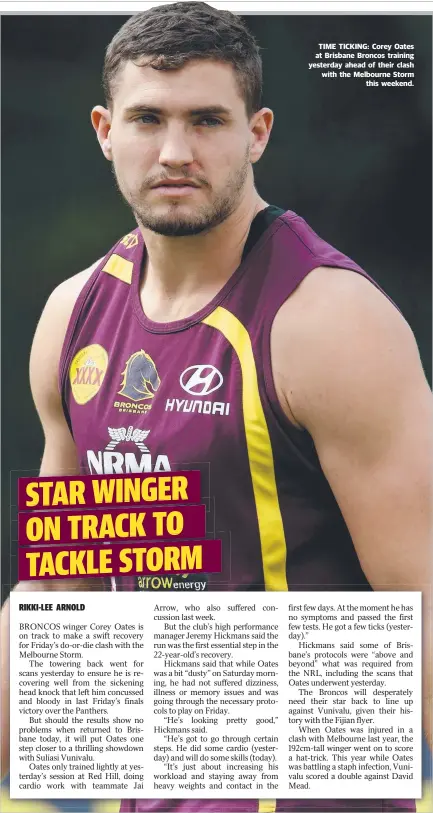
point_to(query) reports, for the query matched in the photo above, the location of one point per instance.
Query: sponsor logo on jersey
(201, 379)
(204, 407)
(87, 371)
(140, 382)
(110, 461)
(129, 240)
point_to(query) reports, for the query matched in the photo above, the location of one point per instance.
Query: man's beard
(205, 218)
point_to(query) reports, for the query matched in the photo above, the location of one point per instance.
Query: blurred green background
(354, 161)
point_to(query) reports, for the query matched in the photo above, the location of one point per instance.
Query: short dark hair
(173, 34)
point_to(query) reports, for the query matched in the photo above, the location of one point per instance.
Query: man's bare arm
(355, 382)
(60, 456)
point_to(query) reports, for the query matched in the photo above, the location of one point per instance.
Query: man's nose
(176, 150)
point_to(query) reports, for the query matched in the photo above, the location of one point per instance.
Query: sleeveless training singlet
(198, 393)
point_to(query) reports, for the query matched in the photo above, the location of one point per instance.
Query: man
(224, 333)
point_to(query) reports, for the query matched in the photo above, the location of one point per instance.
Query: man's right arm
(60, 454)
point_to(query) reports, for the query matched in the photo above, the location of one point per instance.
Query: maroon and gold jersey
(198, 393)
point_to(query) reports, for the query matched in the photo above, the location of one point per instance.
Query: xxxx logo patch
(87, 372)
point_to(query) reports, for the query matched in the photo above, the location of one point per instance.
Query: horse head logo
(140, 377)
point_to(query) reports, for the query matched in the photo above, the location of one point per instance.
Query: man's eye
(210, 121)
(147, 118)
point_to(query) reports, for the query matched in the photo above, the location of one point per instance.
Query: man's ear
(101, 121)
(260, 126)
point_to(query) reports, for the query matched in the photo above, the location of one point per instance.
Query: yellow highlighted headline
(111, 490)
(99, 561)
(123, 525)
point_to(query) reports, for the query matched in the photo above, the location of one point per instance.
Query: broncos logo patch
(140, 377)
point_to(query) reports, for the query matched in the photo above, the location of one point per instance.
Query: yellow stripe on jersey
(267, 806)
(119, 267)
(260, 455)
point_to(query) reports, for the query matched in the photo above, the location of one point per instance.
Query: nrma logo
(110, 461)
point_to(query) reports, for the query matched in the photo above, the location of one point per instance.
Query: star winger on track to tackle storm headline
(223, 332)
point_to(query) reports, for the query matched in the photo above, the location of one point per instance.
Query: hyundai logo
(201, 379)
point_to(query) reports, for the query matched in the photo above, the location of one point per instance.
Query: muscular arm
(357, 385)
(60, 456)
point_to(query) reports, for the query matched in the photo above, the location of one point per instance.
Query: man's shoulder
(332, 296)
(61, 302)
(68, 291)
(335, 334)
(53, 324)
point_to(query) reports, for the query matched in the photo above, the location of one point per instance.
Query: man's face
(180, 144)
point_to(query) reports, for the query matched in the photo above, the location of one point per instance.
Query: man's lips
(180, 183)
(175, 189)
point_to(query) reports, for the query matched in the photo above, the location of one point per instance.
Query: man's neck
(183, 274)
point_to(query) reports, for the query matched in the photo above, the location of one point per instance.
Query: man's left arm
(356, 384)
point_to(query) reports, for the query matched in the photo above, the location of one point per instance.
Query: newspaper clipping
(216, 560)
